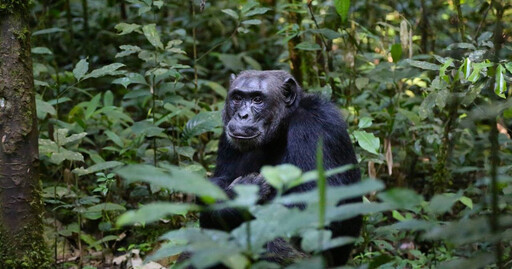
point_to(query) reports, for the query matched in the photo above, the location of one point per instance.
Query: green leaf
(367, 141)
(253, 63)
(106, 207)
(249, 6)
(364, 122)
(114, 138)
(103, 240)
(308, 46)
(158, 4)
(281, 175)
(152, 35)
(107, 70)
(426, 106)
(466, 68)
(442, 70)
(314, 262)
(80, 69)
(231, 61)
(412, 116)
(127, 50)
(340, 192)
(397, 215)
(92, 105)
(108, 98)
(216, 87)
(153, 212)
(401, 198)
(500, 85)
(41, 50)
(396, 52)
(342, 7)
(466, 201)
(62, 138)
(441, 98)
(257, 11)
(231, 13)
(126, 28)
(465, 231)
(508, 66)
(97, 167)
(442, 203)
(202, 123)
(48, 31)
(130, 78)
(423, 65)
(58, 154)
(362, 82)
(43, 108)
(172, 178)
(328, 33)
(252, 22)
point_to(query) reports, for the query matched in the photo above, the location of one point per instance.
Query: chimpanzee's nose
(243, 115)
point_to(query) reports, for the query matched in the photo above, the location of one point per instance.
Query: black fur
(295, 129)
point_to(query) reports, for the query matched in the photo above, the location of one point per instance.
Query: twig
(324, 43)
(460, 25)
(483, 19)
(193, 11)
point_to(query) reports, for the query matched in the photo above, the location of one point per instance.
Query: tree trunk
(22, 243)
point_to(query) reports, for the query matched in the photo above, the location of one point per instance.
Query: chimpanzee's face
(256, 105)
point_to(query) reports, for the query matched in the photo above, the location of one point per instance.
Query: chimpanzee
(268, 120)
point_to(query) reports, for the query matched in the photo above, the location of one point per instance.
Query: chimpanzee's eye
(236, 98)
(257, 100)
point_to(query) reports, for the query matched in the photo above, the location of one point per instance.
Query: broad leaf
(97, 167)
(152, 212)
(110, 69)
(231, 13)
(172, 178)
(80, 69)
(202, 123)
(367, 141)
(424, 65)
(152, 35)
(342, 7)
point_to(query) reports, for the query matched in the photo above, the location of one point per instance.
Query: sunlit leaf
(80, 69)
(342, 7)
(125, 28)
(367, 141)
(231, 13)
(152, 35)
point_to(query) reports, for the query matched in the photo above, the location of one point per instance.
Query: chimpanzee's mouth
(243, 137)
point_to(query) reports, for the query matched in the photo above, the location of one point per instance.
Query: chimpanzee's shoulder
(315, 109)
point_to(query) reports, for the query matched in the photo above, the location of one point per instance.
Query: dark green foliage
(134, 89)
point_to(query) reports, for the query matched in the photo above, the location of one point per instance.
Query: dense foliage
(129, 95)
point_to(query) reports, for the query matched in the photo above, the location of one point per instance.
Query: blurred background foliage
(422, 84)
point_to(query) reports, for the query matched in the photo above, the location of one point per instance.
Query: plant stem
(193, 11)
(495, 159)
(493, 137)
(460, 25)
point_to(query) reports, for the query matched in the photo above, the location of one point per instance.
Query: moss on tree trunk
(22, 243)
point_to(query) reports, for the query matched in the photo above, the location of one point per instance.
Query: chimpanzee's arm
(225, 174)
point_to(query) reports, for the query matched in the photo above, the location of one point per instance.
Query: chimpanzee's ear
(233, 76)
(290, 90)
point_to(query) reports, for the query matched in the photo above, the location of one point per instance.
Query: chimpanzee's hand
(266, 191)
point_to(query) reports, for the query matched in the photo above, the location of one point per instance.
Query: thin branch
(483, 20)
(460, 25)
